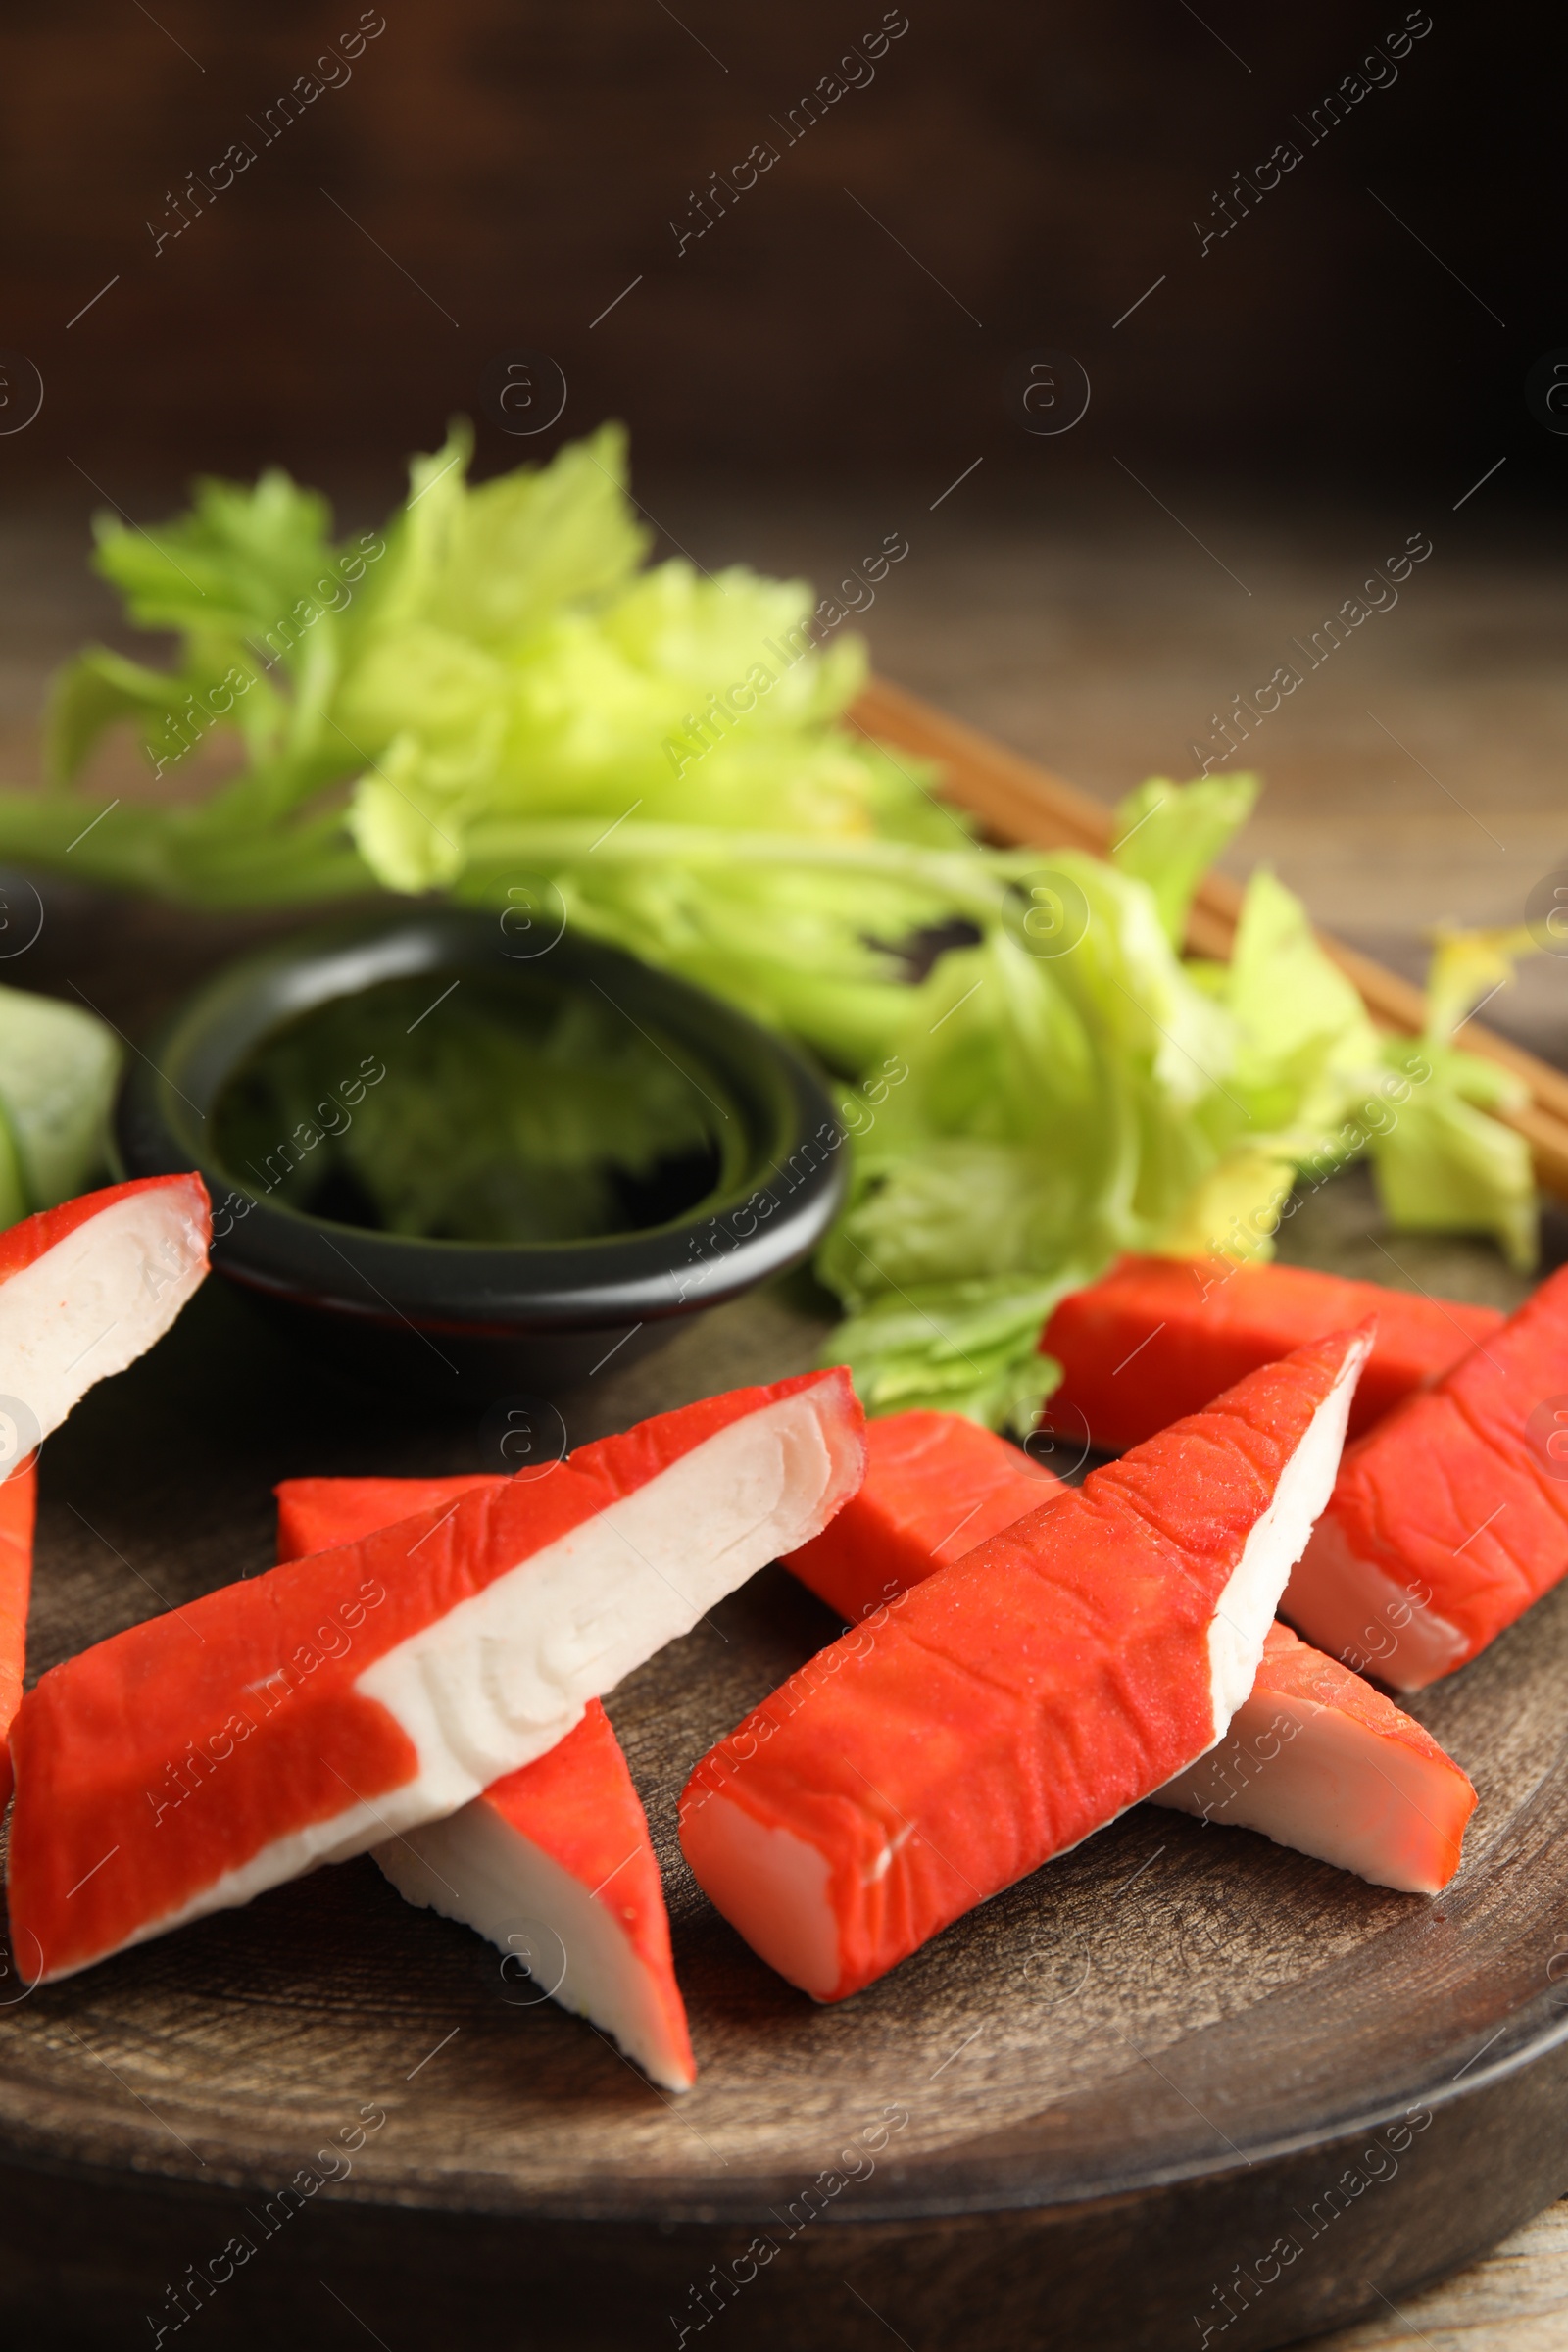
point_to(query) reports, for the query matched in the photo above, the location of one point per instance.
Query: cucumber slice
(58, 1066)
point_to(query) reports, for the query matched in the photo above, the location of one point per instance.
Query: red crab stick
(553, 1863)
(88, 1287)
(1019, 1701)
(1160, 1335)
(1314, 1758)
(1451, 1517)
(936, 1485)
(307, 1714)
(317, 1514)
(1319, 1761)
(17, 1503)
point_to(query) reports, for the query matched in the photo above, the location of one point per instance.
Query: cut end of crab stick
(1013, 1704)
(1319, 1761)
(1159, 1337)
(553, 1866)
(1450, 1516)
(89, 1286)
(936, 1485)
(553, 1863)
(19, 1500)
(304, 1715)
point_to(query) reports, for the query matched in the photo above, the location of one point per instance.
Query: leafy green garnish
(1169, 835)
(499, 699)
(1446, 1164)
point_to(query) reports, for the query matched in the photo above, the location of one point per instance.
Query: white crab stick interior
(773, 1887)
(476, 1868)
(1322, 1783)
(1355, 1612)
(1252, 1596)
(98, 1300)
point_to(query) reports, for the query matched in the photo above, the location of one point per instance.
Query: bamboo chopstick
(1021, 802)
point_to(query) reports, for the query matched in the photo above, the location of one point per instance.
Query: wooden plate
(1180, 2087)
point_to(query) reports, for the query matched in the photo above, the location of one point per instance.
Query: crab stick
(88, 1287)
(936, 1485)
(317, 1514)
(1159, 1335)
(19, 1499)
(553, 1863)
(1451, 1517)
(1019, 1701)
(305, 1715)
(1314, 1758)
(1319, 1761)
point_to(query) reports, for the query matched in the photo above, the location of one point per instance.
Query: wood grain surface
(1514, 2300)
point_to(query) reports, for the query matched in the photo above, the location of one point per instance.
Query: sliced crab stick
(936, 1485)
(554, 1864)
(1451, 1517)
(1319, 1761)
(1349, 1778)
(1019, 1701)
(88, 1287)
(1159, 1335)
(19, 1499)
(307, 1714)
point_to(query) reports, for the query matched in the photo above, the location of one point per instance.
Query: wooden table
(1514, 2301)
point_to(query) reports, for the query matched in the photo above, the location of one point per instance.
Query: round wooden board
(1179, 2057)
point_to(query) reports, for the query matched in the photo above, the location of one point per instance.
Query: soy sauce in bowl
(462, 1171)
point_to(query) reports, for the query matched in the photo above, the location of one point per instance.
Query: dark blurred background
(1301, 264)
(486, 176)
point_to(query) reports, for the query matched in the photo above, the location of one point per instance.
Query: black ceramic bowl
(466, 1319)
